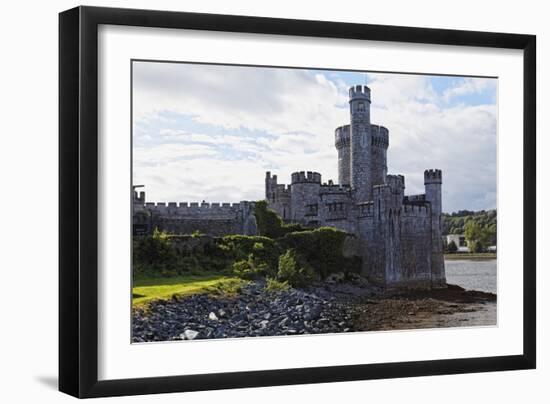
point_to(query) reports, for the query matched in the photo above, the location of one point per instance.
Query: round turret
(342, 143)
(379, 149)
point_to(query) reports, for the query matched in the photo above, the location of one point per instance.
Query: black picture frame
(78, 200)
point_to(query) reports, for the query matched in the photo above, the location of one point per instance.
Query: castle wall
(415, 251)
(214, 227)
(372, 246)
(216, 219)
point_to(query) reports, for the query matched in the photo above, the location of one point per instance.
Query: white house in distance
(459, 240)
(462, 244)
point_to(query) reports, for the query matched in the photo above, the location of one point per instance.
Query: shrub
(322, 249)
(270, 224)
(243, 269)
(250, 268)
(260, 251)
(153, 251)
(273, 285)
(294, 270)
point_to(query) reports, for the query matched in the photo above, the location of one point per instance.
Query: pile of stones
(254, 312)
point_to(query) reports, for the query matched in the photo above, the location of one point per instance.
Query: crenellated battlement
(359, 92)
(183, 208)
(432, 176)
(306, 177)
(342, 136)
(380, 136)
(282, 189)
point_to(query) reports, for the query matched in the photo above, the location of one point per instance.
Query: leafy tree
(478, 237)
(455, 222)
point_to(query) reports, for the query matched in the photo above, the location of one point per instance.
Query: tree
(478, 237)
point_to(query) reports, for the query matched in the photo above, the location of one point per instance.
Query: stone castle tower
(400, 236)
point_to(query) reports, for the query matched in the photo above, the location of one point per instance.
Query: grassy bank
(149, 288)
(471, 256)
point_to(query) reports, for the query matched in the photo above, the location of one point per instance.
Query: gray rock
(189, 334)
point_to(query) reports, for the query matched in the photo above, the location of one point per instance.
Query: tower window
(361, 107)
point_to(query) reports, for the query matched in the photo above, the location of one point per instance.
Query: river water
(472, 275)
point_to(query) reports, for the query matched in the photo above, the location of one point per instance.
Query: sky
(210, 132)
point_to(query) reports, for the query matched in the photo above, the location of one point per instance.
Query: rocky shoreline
(329, 307)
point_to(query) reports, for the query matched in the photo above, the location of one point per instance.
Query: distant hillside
(454, 223)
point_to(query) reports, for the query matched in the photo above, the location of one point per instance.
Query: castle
(399, 236)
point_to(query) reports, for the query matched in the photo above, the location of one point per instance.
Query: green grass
(147, 289)
(471, 256)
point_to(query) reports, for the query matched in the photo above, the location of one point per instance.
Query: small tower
(277, 196)
(304, 199)
(360, 143)
(342, 144)
(432, 183)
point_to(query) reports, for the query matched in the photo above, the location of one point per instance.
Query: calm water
(472, 275)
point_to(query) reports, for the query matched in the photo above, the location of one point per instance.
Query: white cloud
(283, 120)
(469, 85)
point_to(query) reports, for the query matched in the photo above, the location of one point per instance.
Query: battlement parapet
(282, 189)
(342, 136)
(306, 177)
(359, 92)
(380, 136)
(194, 208)
(432, 176)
